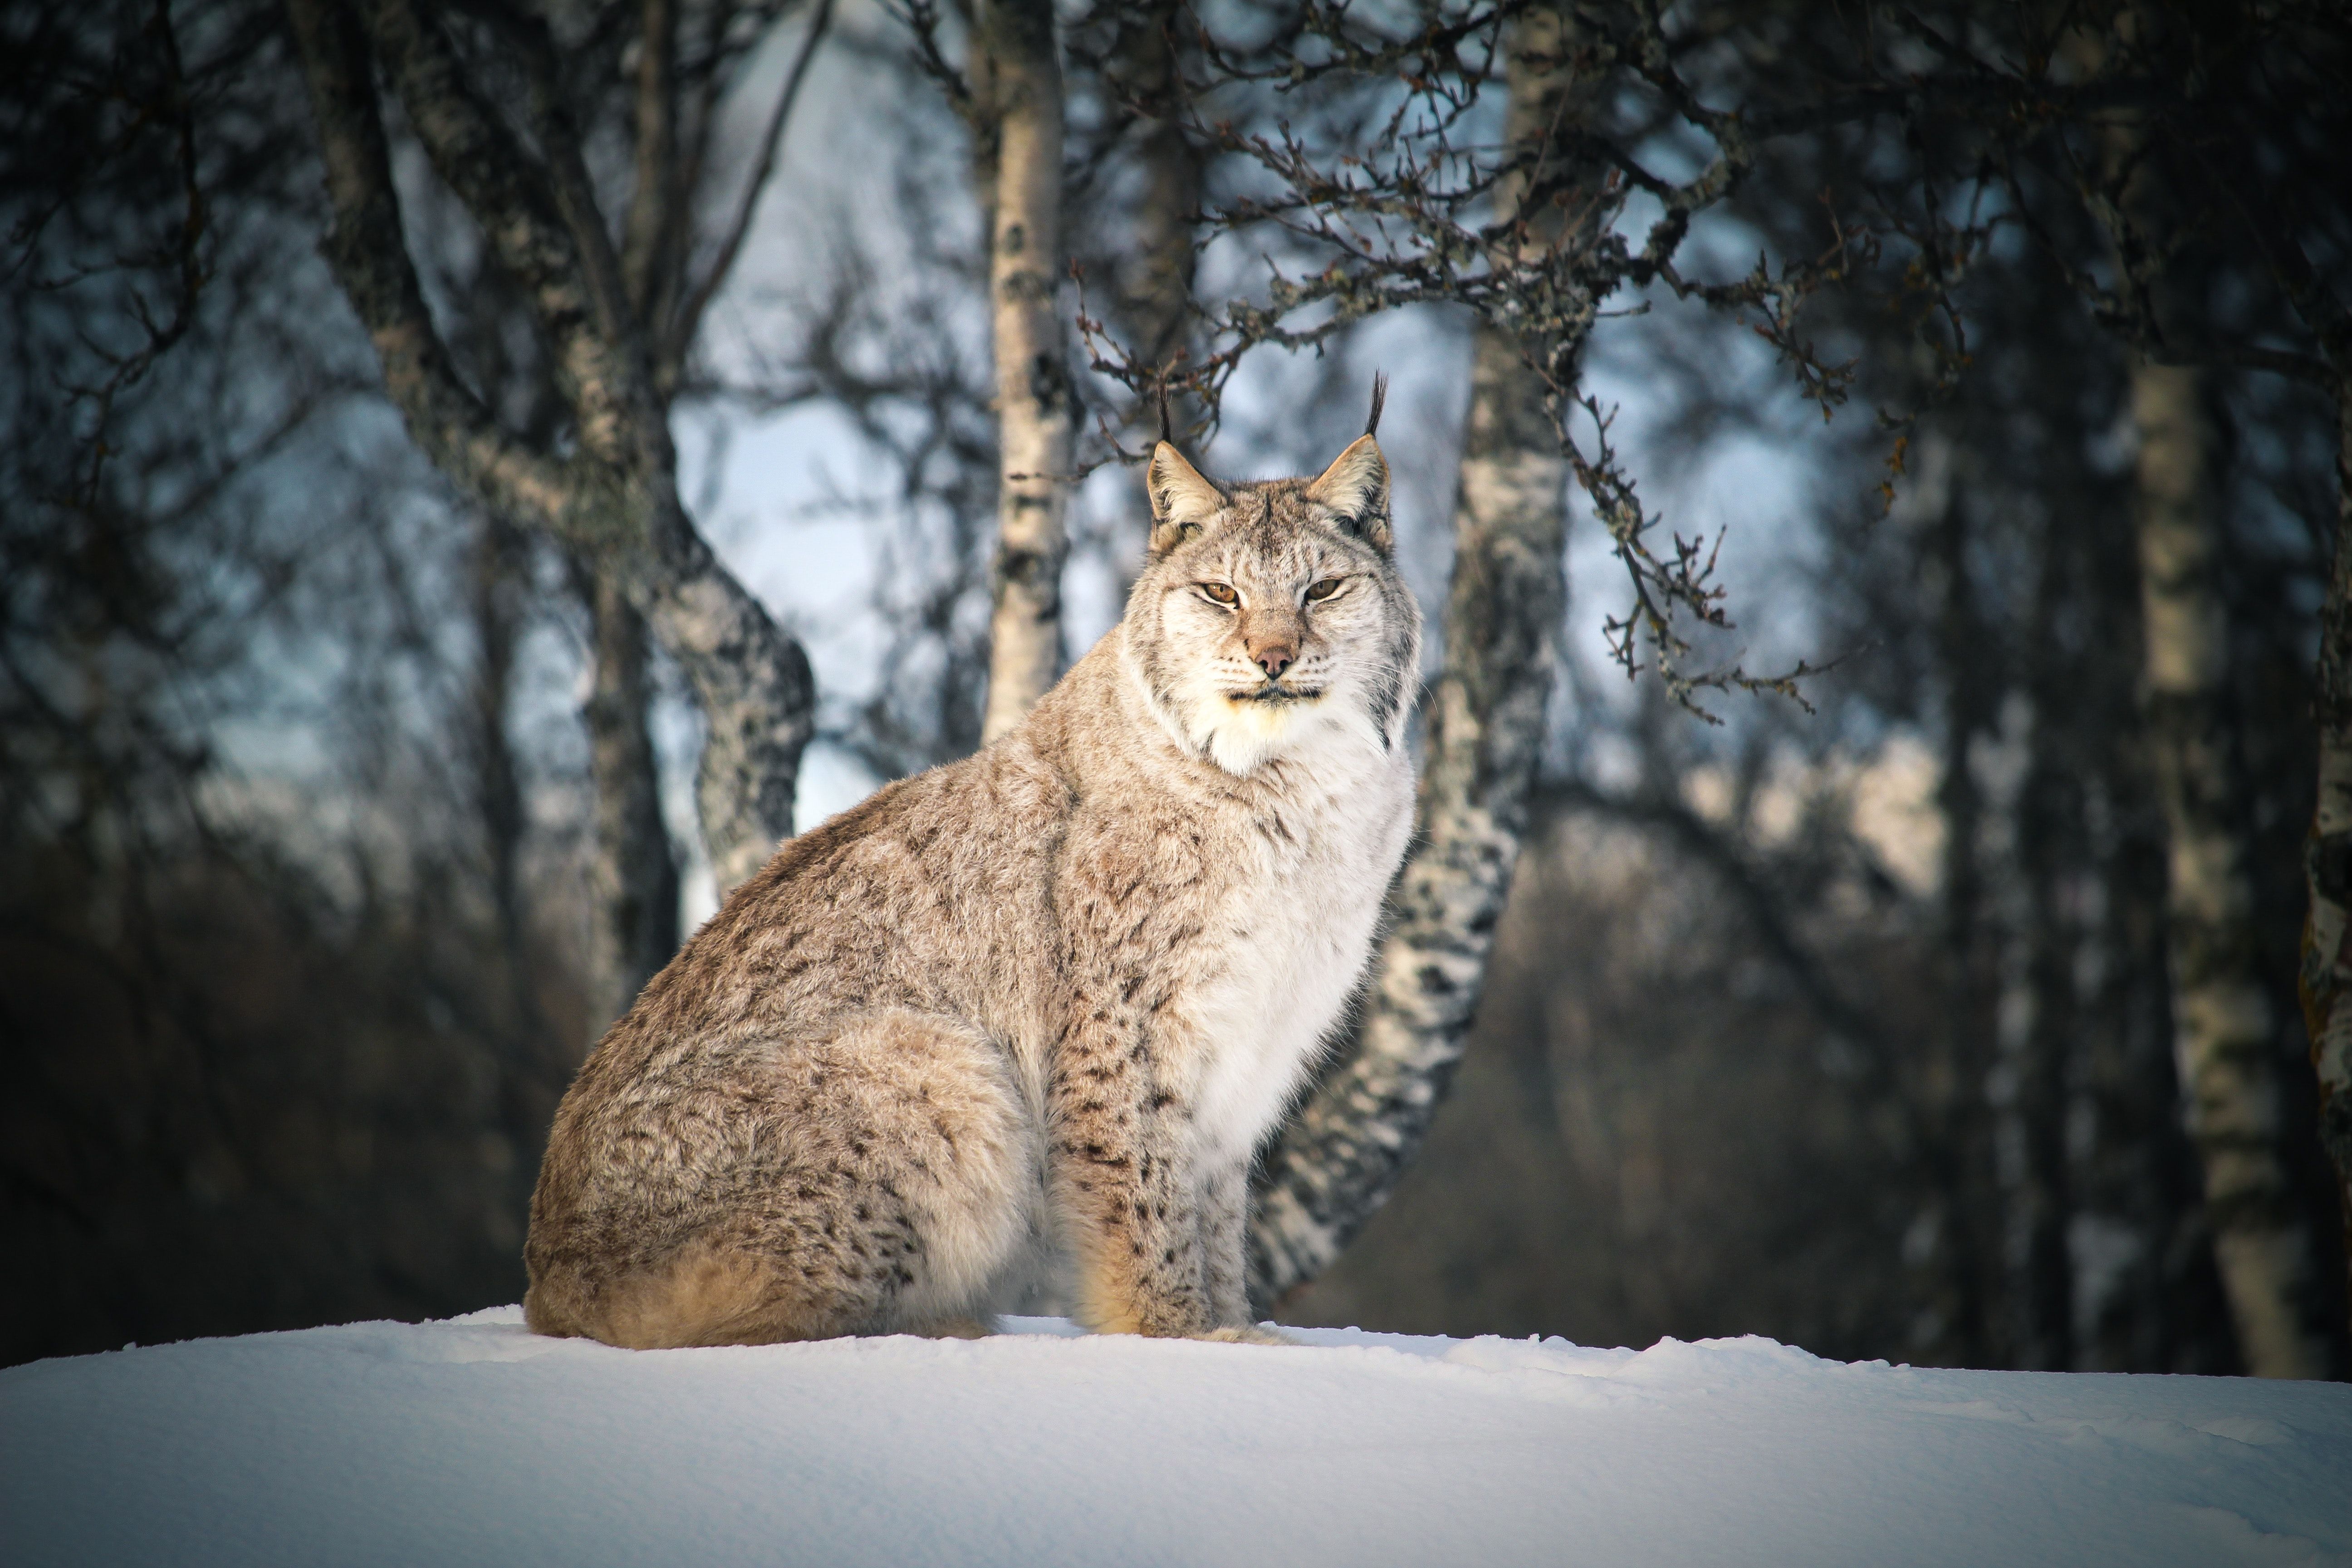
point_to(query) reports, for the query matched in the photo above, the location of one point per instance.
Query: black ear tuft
(1182, 500)
(1380, 395)
(1356, 488)
(1167, 430)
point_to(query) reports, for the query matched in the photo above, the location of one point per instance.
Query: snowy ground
(474, 1442)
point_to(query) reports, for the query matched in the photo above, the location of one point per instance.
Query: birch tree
(1523, 234)
(618, 318)
(632, 881)
(2225, 1029)
(1036, 415)
(2163, 128)
(632, 884)
(2224, 1022)
(1484, 718)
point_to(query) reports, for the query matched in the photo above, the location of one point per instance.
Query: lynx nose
(1273, 658)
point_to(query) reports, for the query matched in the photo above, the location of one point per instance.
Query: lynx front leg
(1125, 1197)
(1224, 1222)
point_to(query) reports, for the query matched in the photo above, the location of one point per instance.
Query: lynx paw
(1249, 1334)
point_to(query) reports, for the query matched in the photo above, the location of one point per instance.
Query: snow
(473, 1441)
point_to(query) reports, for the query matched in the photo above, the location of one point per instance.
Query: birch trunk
(2145, 1295)
(497, 788)
(1034, 398)
(2224, 1030)
(2260, 1263)
(2326, 977)
(611, 499)
(633, 926)
(1340, 1157)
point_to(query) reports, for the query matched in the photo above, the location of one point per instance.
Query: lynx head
(1269, 618)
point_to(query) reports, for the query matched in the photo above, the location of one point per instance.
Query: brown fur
(1042, 1002)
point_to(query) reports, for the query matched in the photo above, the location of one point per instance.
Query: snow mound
(473, 1441)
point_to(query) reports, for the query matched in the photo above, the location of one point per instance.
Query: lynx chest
(1286, 942)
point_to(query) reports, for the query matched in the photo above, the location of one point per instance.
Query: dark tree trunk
(2327, 983)
(1956, 1261)
(1155, 276)
(633, 875)
(2037, 1044)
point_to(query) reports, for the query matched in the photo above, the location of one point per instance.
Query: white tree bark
(2225, 1029)
(1034, 402)
(2223, 1021)
(1339, 1159)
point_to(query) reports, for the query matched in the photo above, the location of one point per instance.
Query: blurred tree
(2194, 138)
(2139, 112)
(632, 881)
(1941, 138)
(2224, 1022)
(279, 1038)
(618, 321)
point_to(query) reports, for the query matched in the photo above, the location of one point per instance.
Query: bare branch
(653, 217)
(521, 208)
(679, 335)
(187, 259)
(369, 253)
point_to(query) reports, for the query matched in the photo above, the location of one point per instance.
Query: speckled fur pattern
(1033, 1012)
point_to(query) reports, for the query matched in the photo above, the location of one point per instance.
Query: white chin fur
(1241, 737)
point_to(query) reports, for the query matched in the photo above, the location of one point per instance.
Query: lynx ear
(1181, 497)
(1355, 485)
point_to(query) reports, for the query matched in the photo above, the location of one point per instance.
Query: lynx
(1031, 1014)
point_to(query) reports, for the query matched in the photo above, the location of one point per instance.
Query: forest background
(475, 475)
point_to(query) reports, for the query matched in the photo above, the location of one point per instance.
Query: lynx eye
(1325, 588)
(1220, 592)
